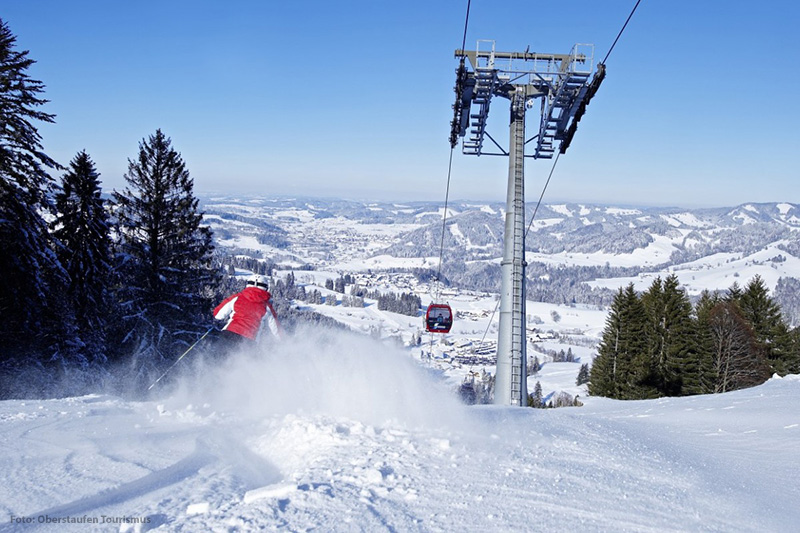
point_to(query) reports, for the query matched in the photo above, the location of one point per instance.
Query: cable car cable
(450, 166)
(559, 153)
(444, 227)
(536, 209)
(437, 284)
(466, 23)
(620, 31)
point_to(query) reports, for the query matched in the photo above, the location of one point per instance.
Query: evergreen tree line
(92, 289)
(562, 356)
(404, 303)
(287, 288)
(251, 264)
(352, 301)
(657, 344)
(314, 296)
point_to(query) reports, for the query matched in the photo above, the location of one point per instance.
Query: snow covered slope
(341, 433)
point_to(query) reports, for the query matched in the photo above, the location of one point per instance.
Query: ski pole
(179, 358)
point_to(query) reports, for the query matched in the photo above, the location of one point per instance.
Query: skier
(246, 312)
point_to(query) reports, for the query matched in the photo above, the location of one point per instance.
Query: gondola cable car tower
(561, 82)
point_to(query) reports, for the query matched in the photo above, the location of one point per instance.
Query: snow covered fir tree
(82, 232)
(101, 288)
(37, 327)
(167, 279)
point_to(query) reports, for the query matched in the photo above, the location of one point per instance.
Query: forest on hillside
(93, 290)
(658, 344)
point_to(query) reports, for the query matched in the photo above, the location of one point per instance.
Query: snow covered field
(342, 433)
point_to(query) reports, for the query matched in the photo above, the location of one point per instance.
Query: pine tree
(703, 380)
(36, 325)
(82, 230)
(536, 399)
(315, 297)
(734, 293)
(671, 334)
(622, 368)
(639, 378)
(583, 375)
(603, 376)
(300, 293)
(532, 367)
(291, 287)
(794, 361)
(165, 256)
(771, 332)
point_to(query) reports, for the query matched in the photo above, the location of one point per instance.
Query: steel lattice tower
(562, 84)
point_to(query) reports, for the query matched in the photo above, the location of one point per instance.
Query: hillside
(577, 254)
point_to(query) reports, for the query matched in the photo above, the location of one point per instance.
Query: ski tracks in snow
(108, 458)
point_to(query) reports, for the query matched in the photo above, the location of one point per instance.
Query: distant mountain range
(576, 252)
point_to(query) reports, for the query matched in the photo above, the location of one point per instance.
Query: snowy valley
(568, 245)
(578, 257)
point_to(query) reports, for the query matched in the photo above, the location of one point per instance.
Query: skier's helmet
(258, 281)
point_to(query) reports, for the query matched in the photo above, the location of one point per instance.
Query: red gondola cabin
(439, 318)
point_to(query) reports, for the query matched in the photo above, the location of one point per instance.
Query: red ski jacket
(245, 312)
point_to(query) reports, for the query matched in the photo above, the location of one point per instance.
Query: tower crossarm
(475, 56)
(559, 79)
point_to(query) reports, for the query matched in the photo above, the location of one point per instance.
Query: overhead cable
(620, 31)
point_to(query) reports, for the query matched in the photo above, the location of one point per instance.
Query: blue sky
(352, 98)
